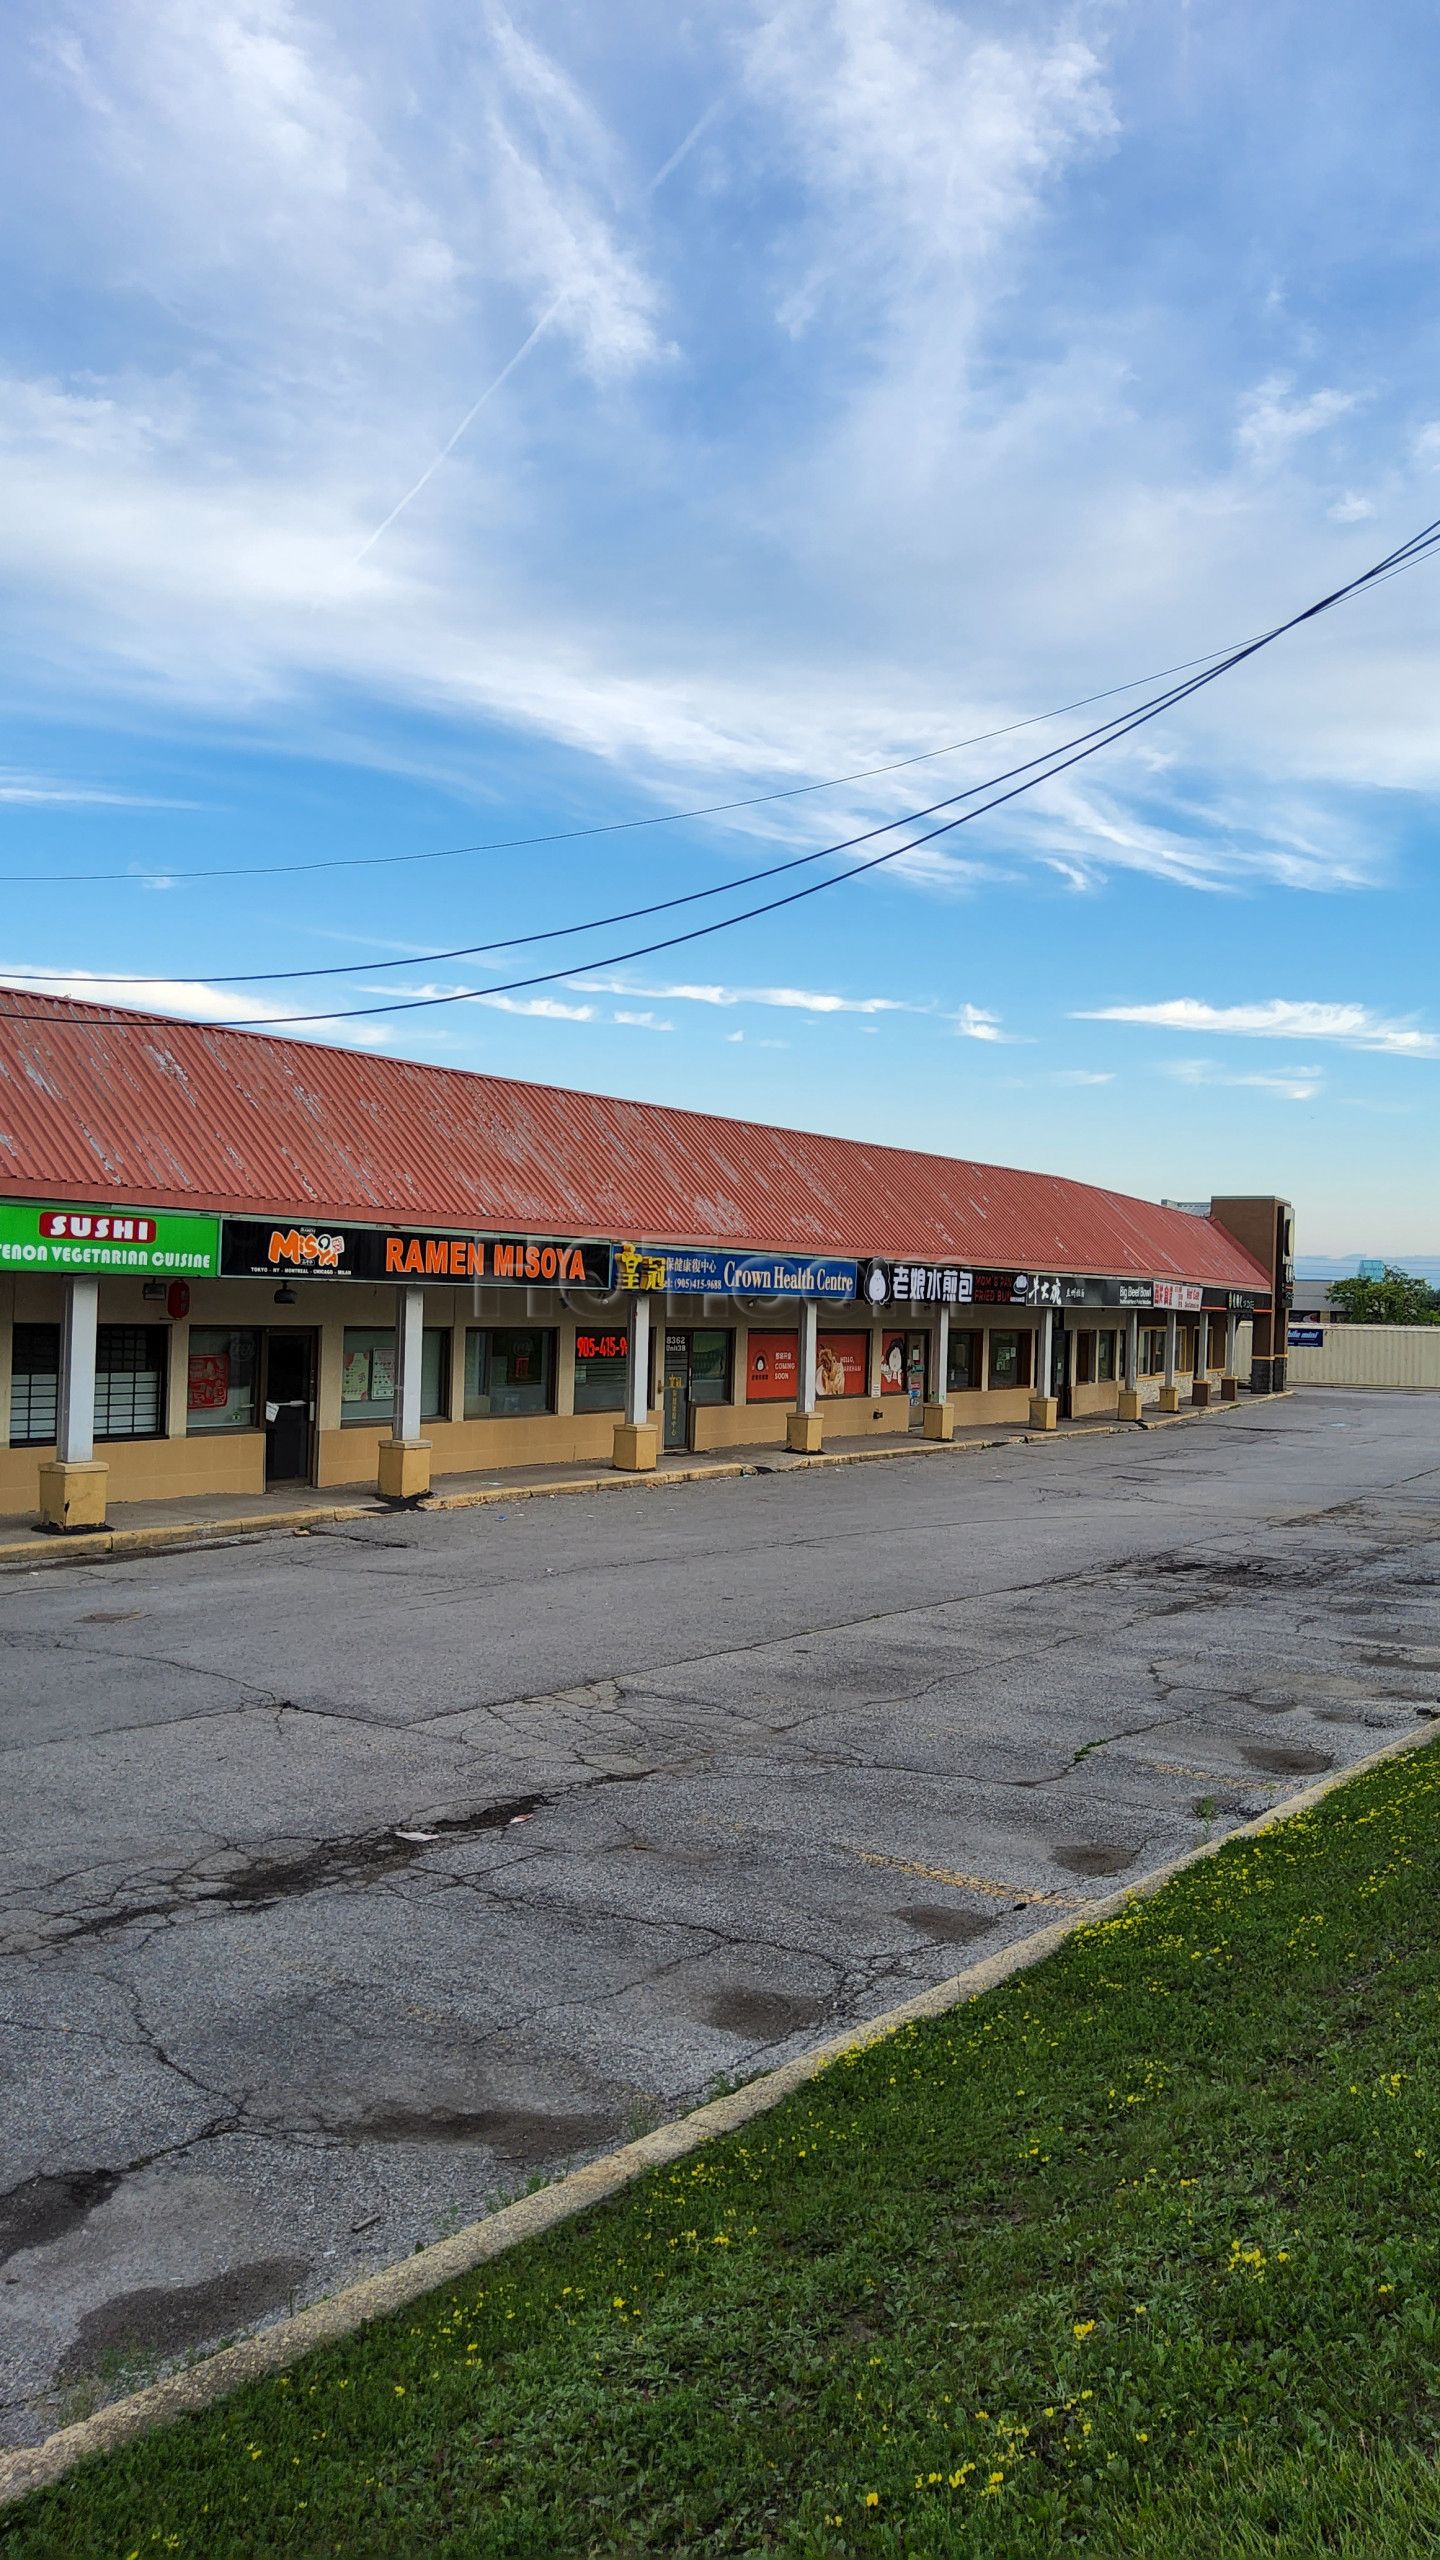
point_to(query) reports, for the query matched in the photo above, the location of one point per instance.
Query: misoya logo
(304, 1251)
(85, 1225)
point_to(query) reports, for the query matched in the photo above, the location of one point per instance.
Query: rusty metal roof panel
(99, 1103)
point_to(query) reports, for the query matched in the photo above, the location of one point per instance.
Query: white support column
(805, 1428)
(73, 1483)
(409, 1334)
(637, 1370)
(75, 1435)
(1170, 1392)
(1229, 1383)
(404, 1463)
(939, 1414)
(637, 1442)
(1044, 1408)
(805, 1398)
(1128, 1403)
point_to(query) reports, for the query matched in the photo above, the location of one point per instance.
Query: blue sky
(836, 381)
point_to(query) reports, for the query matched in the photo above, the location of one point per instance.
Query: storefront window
(1085, 1371)
(710, 1368)
(1009, 1359)
(772, 1372)
(34, 1385)
(220, 1395)
(842, 1364)
(509, 1370)
(602, 1359)
(964, 1362)
(434, 1373)
(367, 1373)
(1152, 1351)
(130, 1381)
(1105, 1363)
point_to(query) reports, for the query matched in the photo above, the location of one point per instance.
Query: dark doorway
(1060, 1365)
(917, 1362)
(677, 1391)
(289, 1406)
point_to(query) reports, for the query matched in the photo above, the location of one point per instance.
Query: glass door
(677, 1391)
(916, 1357)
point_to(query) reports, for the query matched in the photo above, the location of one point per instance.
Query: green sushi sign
(37, 1235)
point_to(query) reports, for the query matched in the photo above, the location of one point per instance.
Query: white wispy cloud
(47, 791)
(1273, 417)
(1301, 1084)
(787, 999)
(190, 998)
(641, 1021)
(972, 1022)
(1355, 1026)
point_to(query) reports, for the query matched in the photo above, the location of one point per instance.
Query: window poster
(772, 1368)
(209, 1387)
(355, 1378)
(893, 1381)
(842, 1364)
(382, 1373)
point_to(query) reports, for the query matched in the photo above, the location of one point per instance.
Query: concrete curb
(273, 2350)
(92, 1546)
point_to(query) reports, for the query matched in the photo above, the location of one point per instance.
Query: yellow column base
(1229, 1390)
(1044, 1413)
(1202, 1392)
(72, 1493)
(404, 1470)
(1169, 1399)
(1130, 1406)
(805, 1433)
(939, 1420)
(637, 1447)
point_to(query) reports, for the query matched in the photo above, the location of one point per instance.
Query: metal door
(677, 1391)
(289, 1405)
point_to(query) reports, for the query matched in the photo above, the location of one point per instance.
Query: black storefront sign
(1029, 1289)
(1129, 1293)
(321, 1249)
(915, 1284)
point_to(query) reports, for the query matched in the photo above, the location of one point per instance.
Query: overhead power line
(1057, 761)
(606, 827)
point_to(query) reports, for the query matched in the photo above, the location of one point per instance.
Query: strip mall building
(230, 1261)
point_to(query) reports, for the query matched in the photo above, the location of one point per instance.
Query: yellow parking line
(990, 1885)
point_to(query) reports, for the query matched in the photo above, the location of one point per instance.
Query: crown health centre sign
(732, 1275)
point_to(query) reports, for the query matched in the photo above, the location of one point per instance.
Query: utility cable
(609, 827)
(1407, 554)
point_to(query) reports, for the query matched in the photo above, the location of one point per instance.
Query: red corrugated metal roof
(186, 1115)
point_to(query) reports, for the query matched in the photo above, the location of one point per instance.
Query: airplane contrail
(681, 151)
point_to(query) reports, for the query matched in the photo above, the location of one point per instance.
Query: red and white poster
(772, 1368)
(893, 1381)
(842, 1364)
(209, 1387)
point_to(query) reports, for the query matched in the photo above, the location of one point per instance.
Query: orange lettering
(437, 1257)
(415, 1256)
(571, 1265)
(505, 1262)
(394, 1253)
(532, 1262)
(284, 1248)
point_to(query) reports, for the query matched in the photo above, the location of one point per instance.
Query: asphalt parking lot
(352, 1879)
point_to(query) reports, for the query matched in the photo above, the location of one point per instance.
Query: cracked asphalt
(354, 1878)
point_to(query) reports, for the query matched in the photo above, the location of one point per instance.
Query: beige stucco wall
(1370, 1355)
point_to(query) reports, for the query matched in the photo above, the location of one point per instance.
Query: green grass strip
(1135, 2254)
